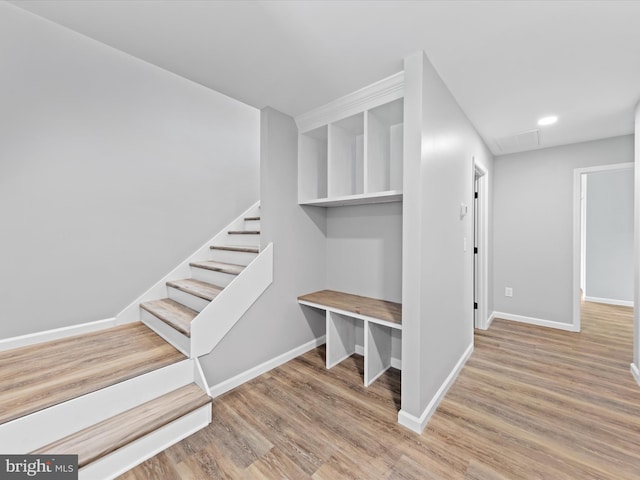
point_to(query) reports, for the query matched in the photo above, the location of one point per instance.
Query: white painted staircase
(195, 305)
(120, 395)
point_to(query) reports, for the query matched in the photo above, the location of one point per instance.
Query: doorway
(480, 244)
(580, 189)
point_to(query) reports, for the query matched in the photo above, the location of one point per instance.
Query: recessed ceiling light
(547, 120)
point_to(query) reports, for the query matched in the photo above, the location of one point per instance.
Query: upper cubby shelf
(350, 151)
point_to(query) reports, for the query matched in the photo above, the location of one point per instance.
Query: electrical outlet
(508, 292)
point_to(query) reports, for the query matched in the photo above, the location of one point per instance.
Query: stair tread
(244, 232)
(251, 219)
(173, 313)
(39, 376)
(204, 290)
(219, 266)
(109, 435)
(231, 248)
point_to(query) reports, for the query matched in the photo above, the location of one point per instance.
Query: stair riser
(186, 299)
(127, 457)
(237, 258)
(243, 240)
(166, 331)
(41, 428)
(251, 225)
(210, 276)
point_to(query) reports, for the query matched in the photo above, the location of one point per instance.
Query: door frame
(577, 230)
(481, 274)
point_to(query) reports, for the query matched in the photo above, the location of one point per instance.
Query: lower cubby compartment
(351, 329)
(377, 347)
(341, 338)
(379, 344)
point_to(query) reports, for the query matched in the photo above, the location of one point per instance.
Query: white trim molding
(383, 91)
(491, 319)
(55, 334)
(635, 371)
(569, 327)
(481, 293)
(610, 301)
(233, 382)
(417, 424)
(577, 230)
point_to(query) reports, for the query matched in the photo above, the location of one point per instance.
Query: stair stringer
(215, 321)
(131, 313)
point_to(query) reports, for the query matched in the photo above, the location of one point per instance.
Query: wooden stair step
(40, 376)
(230, 248)
(116, 432)
(204, 290)
(251, 219)
(219, 266)
(172, 313)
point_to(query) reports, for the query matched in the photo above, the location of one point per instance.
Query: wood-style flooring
(42, 375)
(531, 403)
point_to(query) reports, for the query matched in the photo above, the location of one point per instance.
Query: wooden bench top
(370, 307)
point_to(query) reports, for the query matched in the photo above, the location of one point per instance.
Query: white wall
(276, 323)
(439, 144)
(364, 250)
(609, 236)
(111, 172)
(364, 256)
(533, 229)
(636, 249)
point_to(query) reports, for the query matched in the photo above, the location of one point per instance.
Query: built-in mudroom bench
(344, 313)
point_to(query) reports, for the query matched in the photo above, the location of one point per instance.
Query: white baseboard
(536, 321)
(417, 424)
(635, 371)
(490, 320)
(610, 301)
(395, 362)
(233, 382)
(55, 334)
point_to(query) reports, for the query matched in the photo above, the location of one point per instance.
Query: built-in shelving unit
(384, 147)
(350, 151)
(346, 157)
(344, 312)
(312, 163)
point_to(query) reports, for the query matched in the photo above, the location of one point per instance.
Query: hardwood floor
(531, 403)
(39, 376)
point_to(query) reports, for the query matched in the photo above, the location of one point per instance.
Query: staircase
(196, 304)
(114, 398)
(120, 395)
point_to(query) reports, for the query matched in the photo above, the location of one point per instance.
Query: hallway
(531, 403)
